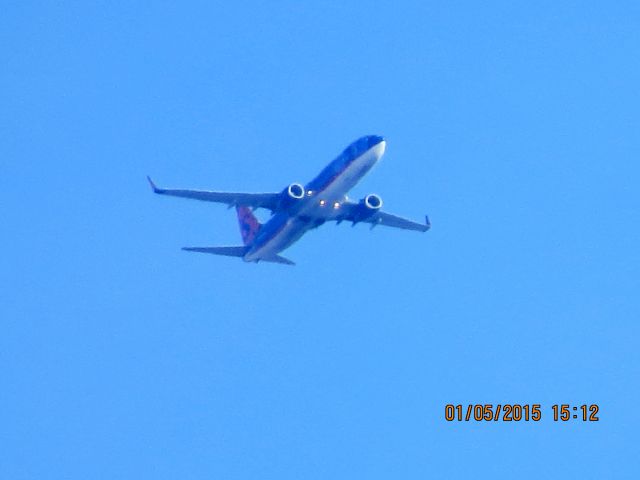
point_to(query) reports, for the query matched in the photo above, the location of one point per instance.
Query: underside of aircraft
(299, 208)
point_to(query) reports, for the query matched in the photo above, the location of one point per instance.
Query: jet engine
(295, 191)
(372, 202)
(367, 207)
(292, 196)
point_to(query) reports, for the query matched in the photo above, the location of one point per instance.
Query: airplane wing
(350, 210)
(382, 218)
(254, 200)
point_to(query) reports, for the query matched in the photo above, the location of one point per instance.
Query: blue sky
(514, 125)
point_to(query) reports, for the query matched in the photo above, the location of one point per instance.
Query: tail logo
(249, 224)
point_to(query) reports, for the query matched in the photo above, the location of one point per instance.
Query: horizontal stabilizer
(237, 252)
(278, 259)
(228, 251)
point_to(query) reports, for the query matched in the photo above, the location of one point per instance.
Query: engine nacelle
(292, 195)
(372, 202)
(295, 191)
(368, 206)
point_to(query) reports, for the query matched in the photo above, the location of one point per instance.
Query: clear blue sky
(514, 125)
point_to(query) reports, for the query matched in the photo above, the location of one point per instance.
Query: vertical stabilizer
(249, 224)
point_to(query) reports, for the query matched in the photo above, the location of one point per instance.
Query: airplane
(299, 208)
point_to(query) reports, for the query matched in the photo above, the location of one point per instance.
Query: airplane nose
(375, 140)
(380, 147)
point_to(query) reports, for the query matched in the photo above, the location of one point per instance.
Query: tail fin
(249, 224)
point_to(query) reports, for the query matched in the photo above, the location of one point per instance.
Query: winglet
(427, 222)
(153, 185)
